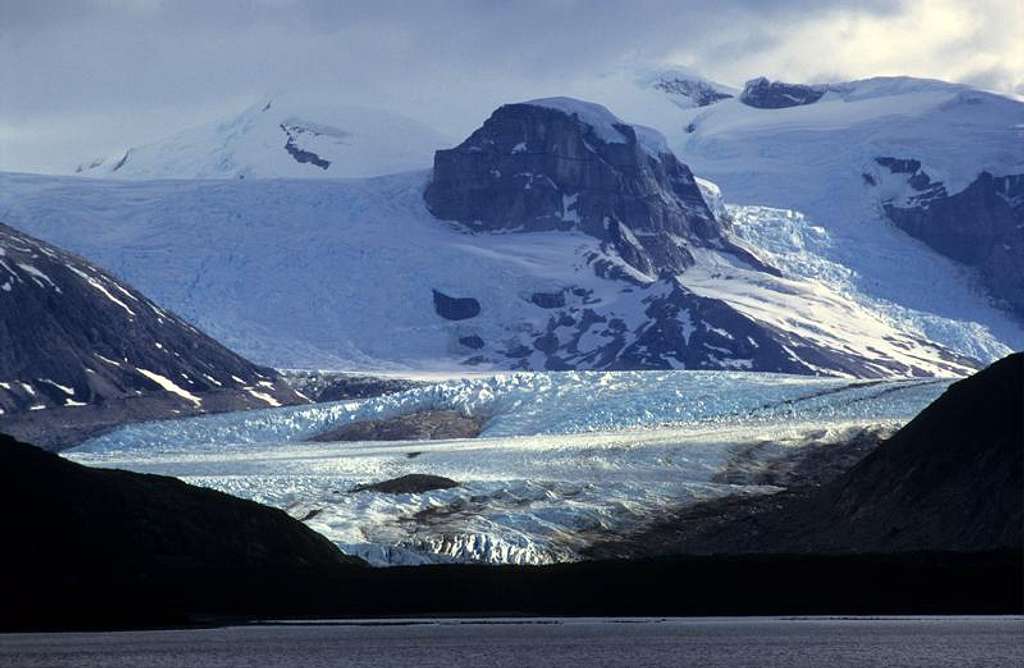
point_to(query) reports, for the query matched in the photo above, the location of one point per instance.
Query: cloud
(86, 77)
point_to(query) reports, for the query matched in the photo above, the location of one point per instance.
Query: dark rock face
(455, 308)
(82, 351)
(301, 155)
(692, 332)
(472, 341)
(569, 165)
(951, 479)
(321, 386)
(548, 299)
(981, 226)
(701, 93)
(414, 483)
(422, 426)
(764, 94)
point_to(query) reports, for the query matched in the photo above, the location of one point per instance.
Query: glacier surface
(565, 457)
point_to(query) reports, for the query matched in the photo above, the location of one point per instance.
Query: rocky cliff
(565, 164)
(981, 226)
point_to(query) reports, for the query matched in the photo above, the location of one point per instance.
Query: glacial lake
(755, 642)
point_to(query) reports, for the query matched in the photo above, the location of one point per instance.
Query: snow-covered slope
(817, 166)
(282, 137)
(358, 274)
(564, 456)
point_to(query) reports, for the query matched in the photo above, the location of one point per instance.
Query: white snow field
(285, 136)
(564, 457)
(799, 172)
(339, 274)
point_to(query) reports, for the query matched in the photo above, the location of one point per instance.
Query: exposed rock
(981, 226)
(455, 308)
(764, 94)
(548, 299)
(563, 164)
(699, 93)
(678, 330)
(322, 386)
(83, 351)
(422, 426)
(300, 155)
(473, 341)
(414, 483)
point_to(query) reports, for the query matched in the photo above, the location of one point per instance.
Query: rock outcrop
(565, 164)
(696, 92)
(981, 226)
(81, 351)
(414, 483)
(764, 94)
(421, 426)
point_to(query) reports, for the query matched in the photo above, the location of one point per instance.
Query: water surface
(756, 642)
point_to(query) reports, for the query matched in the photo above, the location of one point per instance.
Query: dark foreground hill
(951, 479)
(93, 548)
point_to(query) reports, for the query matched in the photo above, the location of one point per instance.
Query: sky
(88, 78)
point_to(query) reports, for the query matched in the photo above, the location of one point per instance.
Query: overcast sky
(83, 78)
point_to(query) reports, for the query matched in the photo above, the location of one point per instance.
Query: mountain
(902, 192)
(281, 137)
(951, 479)
(556, 237)
(123, 531)
(82, 350)
(565, 164)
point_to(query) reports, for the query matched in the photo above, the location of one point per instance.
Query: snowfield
(275, 269)
(284, 136)
(565, 457)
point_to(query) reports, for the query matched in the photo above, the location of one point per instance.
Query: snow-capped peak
(282, 136)
(605, 123)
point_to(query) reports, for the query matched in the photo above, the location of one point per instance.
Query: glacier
(564, 458)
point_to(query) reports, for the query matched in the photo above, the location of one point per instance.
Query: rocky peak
(764, 94)
(565, 164)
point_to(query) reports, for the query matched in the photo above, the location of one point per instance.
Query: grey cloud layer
(130, 70)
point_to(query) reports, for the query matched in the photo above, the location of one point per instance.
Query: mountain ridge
(83, 351)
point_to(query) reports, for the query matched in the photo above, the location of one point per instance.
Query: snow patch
(169, 385)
